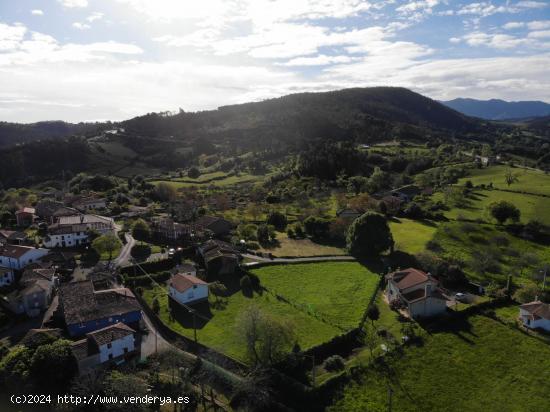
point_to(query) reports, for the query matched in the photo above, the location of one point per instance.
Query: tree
(194, 173)
(53, 366)
(503, 210)
(267, 338)
(156, 305)
(106, 244)
(369, 235)
(218, 289)
(510, 177)
(316, 227)
(527, 293)
(373, 314)
(141, 230)
(165, 192)
(277, 219)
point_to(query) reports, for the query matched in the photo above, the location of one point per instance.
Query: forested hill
(365, 113)
(16, 133)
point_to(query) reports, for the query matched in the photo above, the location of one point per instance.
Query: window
(110, 356)
(109, 345)
(125, 350)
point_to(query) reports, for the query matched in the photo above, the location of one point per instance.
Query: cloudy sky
(81, 60)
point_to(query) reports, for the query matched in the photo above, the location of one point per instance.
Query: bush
(156, 305)
(334, 363)
(193, 173)
(278, 220)
(245, 282)
(140, 252)
(290, 233)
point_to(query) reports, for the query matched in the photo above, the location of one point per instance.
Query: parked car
(461, 297)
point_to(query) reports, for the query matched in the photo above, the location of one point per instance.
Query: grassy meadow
(471, 364)
(411, 236)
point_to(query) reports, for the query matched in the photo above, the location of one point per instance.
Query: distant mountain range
(495, 109)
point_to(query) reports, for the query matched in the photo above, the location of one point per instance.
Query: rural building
(406, 193)
(100, 224)
(187, 269)
(348, 213)
(18, 257)
(167, 229)
(219, 257)
(535, 315)
(90, 203)
(25, 216)
(111, 345)
(85, 310)
(66, 235)
(7, 276)
(12, 237)
(187, 289)
(34, 292)
(417, 291)
(217, 225)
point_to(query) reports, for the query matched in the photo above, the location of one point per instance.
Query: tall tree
(369, 235)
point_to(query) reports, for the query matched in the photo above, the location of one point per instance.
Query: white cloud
(455, 40)
(541, 34)
(81, 26)
(484, 9)
(497, 41)
(94, 16)
(73, 3)
(532, 4)
(37, 12)
(514, 25)
(320, 60)
(539, 25)
(10, 36)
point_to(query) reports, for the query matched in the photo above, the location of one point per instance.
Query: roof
(57, 229)
(65, 211)
(213, 249)
(14, 251)
(80, 349)
(110, 333)
(537, 309)
(47, 208)
(218, 225)
(410, 190)
(38, 274)
(84, 219)
(419, 294)
(12, 234)
(186, 268)
(89, 200)
(407, 278)
(181, 282)
(80, 303)
(29, 210)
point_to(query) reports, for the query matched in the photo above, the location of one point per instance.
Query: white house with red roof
(187, 289)
(535, 315)
(418, 292)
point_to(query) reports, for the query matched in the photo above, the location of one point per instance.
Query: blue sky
(81, 60)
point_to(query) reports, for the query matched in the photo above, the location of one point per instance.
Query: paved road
(124, 256)
(297, 259)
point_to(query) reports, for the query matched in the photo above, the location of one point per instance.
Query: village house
(219, 257)
(7, 276)
(25, 216)
(66, 235)
(110, 345)
(535, 315)
(417, 291)
(187, 289)
(217, 225)
(99, 224)
(12, 237)
(90, 203)
(85, 310)
(167, 229)
(34, 292)
(18, 257)
(348, 213)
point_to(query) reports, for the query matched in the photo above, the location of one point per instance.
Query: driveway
(123, 258)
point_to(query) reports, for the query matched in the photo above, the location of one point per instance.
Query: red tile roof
(407, 278)
(538, 309)
(181, 282)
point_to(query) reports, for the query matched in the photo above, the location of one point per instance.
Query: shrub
(245, 282)
(156, 305)
(334, 363)
(193, 173)
(141, 252)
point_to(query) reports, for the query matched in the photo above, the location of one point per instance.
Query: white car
(460, 296)
(171, 252)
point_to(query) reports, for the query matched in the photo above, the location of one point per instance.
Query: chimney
(81, 218)
(428, 290)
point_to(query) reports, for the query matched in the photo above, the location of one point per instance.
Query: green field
(530, 206)
(220, 331)
(411, 236)
(462, 240)
(531, 181)
(339, 291)
(475, 364)
(300, 247)
(228, 181)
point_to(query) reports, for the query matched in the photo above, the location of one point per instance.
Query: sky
(88, 60)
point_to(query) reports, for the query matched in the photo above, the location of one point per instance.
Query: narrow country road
(124, 257)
